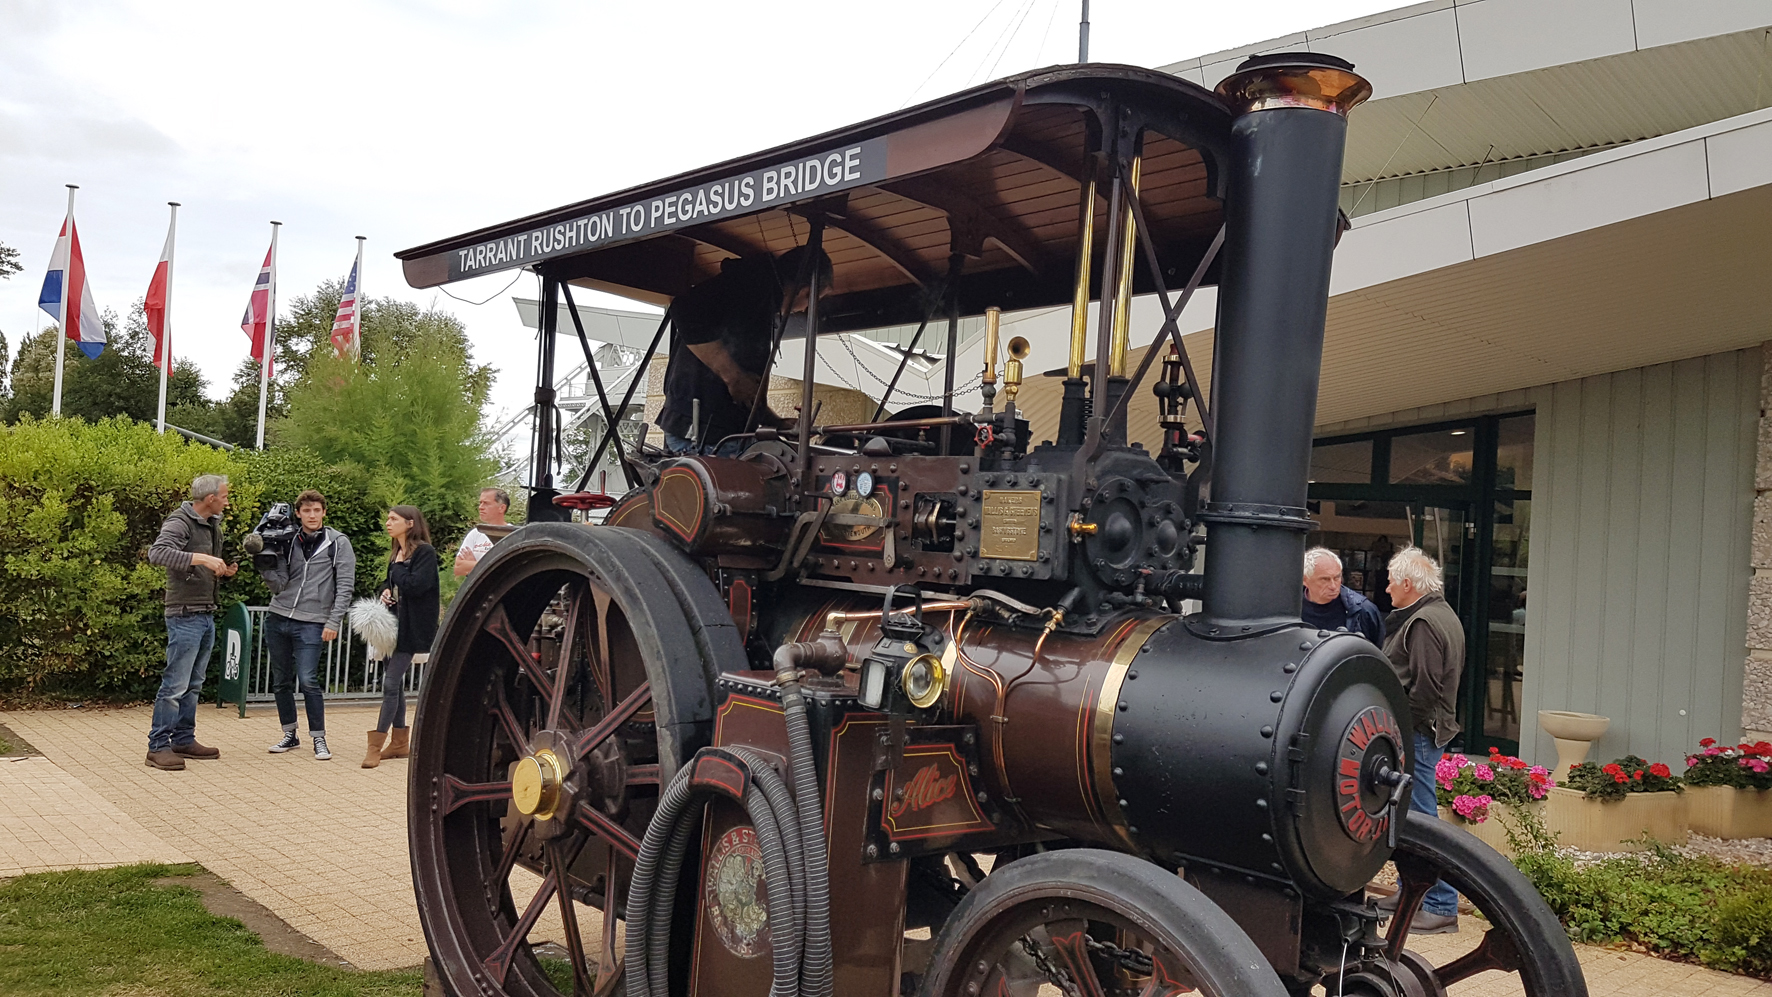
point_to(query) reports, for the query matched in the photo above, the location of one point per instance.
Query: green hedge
(80, 607)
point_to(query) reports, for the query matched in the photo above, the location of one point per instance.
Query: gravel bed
(1737, 851)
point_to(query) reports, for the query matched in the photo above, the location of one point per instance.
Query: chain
(959, 389)
(1130, 959)
(1058, 977)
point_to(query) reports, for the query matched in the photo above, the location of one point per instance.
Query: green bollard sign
(235, 644)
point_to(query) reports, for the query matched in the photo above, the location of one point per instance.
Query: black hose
(658, 870)
(817, 972)
(781, 804)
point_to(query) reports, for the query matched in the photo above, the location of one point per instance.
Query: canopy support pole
(584, 341)
(810, 270)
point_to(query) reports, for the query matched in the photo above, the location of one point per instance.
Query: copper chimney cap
(1294, 79)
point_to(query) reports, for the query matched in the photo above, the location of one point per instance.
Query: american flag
(347, 324)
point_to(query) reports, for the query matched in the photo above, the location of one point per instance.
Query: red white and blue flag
(347, 325)
(68, 297)
(155, 304)
(259, 307)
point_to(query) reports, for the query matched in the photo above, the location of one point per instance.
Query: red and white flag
(347, 325)
(156, 304)
(258, 309)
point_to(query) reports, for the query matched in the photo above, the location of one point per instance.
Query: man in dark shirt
(1329, 606)
(723, 330)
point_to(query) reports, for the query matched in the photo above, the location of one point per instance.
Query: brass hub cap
(535, 785)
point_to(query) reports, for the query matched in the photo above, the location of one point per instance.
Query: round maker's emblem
(864, 484)
(732, 893)
(839, 483)
(1371, 740)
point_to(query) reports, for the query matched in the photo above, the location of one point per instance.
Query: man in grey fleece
(310, 592)
(189, 547)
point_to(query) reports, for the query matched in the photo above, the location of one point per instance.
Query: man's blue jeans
(684, 445)
(189, 641)
(1441, 899)
(294, 647)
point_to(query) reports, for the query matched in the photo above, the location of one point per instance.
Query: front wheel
(1093, 923)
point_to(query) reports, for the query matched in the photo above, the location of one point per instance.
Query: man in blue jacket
(1329, 606)
(310, 592)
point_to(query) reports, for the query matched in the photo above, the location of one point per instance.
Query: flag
(67, 296)
(347, 324)
(155, 305)
(258, 308)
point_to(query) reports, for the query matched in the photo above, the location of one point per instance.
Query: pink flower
(1485, 773)
(1472, 808)
(1538, 790)
(1759, 765)
(1713, 751)
(1445, 771)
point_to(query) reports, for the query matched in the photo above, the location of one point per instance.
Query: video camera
(271, 538)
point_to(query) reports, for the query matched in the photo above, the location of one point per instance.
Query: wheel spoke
(458, 794)
(1414, 878)
(1495, 951)
(615, 718)
(563, 667)
(618, 837)
(1073, 952)
(499, 962)
(498, 624)
(508, 720)
(609, 970)
(575, 945)
(508, 860)
(601, 673)
(643, 775)
(1165, 982)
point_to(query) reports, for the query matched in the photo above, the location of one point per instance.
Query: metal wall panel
(1642, 515)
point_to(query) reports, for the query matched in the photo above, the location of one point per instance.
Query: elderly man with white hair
(1328, 605)
(1426, 647)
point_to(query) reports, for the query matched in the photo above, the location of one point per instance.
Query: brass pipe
(836, 618)
(1123, 286)
(1018, 351)
(993, 323)
(1080, 295)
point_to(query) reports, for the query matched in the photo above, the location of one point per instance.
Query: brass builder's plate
(1010, 525)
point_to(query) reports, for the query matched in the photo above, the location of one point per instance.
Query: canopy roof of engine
(993, 173)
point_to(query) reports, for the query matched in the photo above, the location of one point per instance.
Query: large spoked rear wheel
(1524, 936)
(1090, 923)
(572, 676)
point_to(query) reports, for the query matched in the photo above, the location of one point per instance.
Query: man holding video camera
(310, 570)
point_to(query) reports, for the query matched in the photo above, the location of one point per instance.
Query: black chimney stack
(1281, 215)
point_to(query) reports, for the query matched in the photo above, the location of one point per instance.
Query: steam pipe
(1284, 180)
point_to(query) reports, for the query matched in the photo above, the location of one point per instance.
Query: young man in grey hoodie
(310, 592)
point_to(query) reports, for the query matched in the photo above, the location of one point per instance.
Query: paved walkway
(320, 844)
(323, 845)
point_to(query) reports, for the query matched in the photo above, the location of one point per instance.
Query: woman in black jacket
(411, 592)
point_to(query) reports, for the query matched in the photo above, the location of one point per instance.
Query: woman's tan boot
(398, 744)
(374, 757)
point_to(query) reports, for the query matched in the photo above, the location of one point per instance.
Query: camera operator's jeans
(1441, 899)
(294, 647)
(189, 641)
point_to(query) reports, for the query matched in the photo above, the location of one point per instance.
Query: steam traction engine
(913, 705)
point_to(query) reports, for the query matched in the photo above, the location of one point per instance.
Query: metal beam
(964, 213)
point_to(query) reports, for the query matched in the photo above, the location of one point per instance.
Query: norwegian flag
(258, 316)
(347, 325)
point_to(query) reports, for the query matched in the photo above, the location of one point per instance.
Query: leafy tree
(120, 381)
(409, 413)
(9, 264)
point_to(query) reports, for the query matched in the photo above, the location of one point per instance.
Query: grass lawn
(113, 932)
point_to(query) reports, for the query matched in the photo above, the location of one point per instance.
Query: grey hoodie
(314, 589)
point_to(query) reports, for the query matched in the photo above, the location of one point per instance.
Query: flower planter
(1492, 832)
(1727, 812)
(1615, 825)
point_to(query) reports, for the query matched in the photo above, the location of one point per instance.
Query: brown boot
(373, 759)
(398, 744)
(166, 759)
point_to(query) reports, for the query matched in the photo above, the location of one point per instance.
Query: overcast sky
(406, 121)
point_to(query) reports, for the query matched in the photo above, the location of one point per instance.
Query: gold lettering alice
(925, 789)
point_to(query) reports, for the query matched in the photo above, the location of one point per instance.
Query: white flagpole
(166, 314)
(264, 366)
(61, 318)
(357, 309)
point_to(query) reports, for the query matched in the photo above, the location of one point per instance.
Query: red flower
(1517, 763)
(1612, 768)
(1619, 778)
(1660, 770)
(1539, 778)
(1637, 775)
(1707, 742)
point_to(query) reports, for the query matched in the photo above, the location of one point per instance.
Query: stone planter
(1727, 812)
(1491, 832)
(1615, 825)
